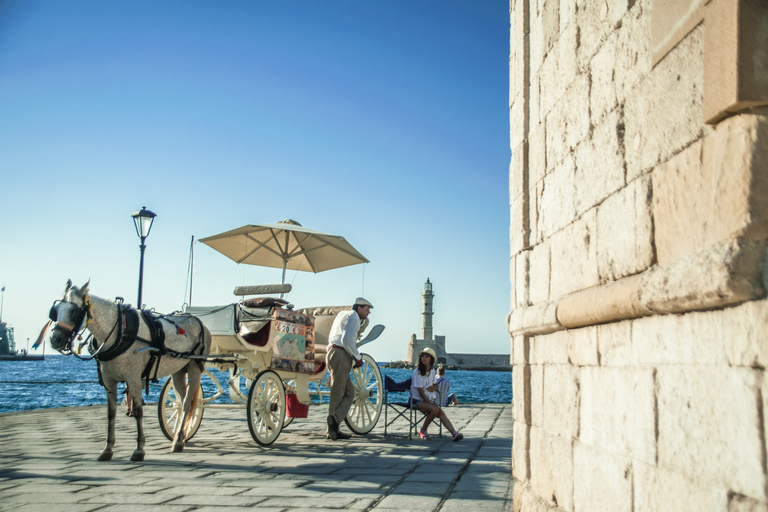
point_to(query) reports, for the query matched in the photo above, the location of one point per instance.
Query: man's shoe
(333, 428)
(342, 435)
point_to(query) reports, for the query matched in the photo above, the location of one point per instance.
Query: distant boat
(8, 350)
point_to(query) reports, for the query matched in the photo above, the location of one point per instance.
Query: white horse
(121, 359)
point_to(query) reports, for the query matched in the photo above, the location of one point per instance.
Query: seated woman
(422, 385)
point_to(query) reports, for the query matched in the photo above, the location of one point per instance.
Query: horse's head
(68, 315)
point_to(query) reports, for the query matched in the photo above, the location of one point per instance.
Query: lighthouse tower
(428, 339)
(426, 312)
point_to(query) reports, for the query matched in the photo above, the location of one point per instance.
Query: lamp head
(143, 220)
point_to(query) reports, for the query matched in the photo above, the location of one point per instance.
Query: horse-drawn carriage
(280, 352)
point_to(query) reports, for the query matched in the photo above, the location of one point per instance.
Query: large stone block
(518, 123)
(625, 232)
(540, 272)
(663, 114)
(552, 468)
(582, 346)
(724, 274)
(633, 62)
(604, 480)
(561, 400)
(600, 165)
(709, 427)
(520, 351)
(618, 411)
(576, 111)
(614, 344)
(659, 489)
(550, 348)
(537, 395)
(521, 393)
(557, 208)
(746, 328)
(574, 258)
(537, 156)
(714, 190)
(603, 98)
(522, 279)
(690, 339)
(521, 456)
(594, 26)
(518, 224)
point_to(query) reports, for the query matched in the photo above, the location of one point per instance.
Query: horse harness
(127, 327)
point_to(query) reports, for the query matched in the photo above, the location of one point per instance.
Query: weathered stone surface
(556, 205)
(659, 489)
(522, 279)
(598, 304)
(582, 346)
(538, 319)
(720, 275)
(604, 480)
(600, 163)
(714, 190)
(625, 232)
(552, 467)
(614, 344)
(550, 348)
(536, 415)
(691, 339)
(537, 162)
(618, 411)
(521, 393)
(663, 115)
(521, 451)
(603, 97)
(561, 400)
(709, 429)
(520, 350)
(540, 271)
(574, 258)
(734, 157)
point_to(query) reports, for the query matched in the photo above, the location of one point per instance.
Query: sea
(66, 381)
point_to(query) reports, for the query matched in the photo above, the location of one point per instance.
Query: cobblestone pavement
(48, 463)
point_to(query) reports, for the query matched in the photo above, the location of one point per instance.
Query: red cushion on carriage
(254, 333)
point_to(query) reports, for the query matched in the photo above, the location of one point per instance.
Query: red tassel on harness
(180, 330)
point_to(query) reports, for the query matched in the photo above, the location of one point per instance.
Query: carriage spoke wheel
(266, 407)
(366, 406)
(170, 411)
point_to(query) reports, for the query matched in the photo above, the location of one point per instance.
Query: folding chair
(404, 409)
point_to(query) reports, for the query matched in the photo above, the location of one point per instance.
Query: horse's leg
(180, 384)
(110, 386)
(134, 386)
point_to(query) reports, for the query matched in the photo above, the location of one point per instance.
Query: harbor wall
(639, 218)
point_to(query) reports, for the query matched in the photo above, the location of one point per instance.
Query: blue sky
(383, 122)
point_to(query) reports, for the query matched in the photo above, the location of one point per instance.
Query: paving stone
(222, 469)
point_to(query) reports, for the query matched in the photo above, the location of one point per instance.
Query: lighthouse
(428, 339)
(426, 312)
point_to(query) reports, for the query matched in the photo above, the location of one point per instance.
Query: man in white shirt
(342, 352)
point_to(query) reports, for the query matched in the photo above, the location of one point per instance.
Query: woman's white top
(422, 381)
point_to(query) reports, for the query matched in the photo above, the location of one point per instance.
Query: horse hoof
(105, 456)
(137, 456)
(177, 448)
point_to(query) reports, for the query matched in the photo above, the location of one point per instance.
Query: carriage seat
(324, 316)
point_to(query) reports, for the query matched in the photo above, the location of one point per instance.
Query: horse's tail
(195, 398)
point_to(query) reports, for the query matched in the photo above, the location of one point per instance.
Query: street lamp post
(143, 220)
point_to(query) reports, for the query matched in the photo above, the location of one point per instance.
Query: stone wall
(639, 218)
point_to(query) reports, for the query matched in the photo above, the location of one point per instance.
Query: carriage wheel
(366, 407)
(170, 411)
(266, 407)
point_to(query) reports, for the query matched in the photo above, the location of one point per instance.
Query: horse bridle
(82, 316)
